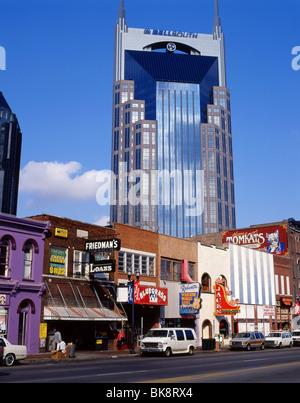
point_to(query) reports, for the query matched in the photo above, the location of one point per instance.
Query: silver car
(247, 341)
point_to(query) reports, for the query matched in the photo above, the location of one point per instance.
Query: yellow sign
(62, 233)
(43, 330)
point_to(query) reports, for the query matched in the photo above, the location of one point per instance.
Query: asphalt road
(151, 373)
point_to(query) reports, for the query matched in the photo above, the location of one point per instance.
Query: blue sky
(58, 81)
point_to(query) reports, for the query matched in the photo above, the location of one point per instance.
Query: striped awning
(81, 314)
(80, 301)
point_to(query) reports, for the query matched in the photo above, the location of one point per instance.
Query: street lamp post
(129, 273)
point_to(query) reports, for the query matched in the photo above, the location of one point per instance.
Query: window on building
(81, 263)
(58, 261)
(170, 270)
(135, 116)
(117, 117)
(206, 282)
(127, 137)
(124, 97)
(138, 158)
(28, 260)
(4, 257)
(138, 138)
(116, 140)
(136, 262)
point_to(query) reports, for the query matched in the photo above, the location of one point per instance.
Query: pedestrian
(57, 338)
(61, 347)
(120, 339)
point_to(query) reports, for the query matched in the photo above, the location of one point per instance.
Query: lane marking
(203, 376)
(64, 378)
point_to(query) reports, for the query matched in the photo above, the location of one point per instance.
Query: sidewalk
(92, 355)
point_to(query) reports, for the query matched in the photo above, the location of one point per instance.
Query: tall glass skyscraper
(172, 143)
(10, 155)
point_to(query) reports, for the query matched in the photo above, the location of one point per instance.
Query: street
(267, 366)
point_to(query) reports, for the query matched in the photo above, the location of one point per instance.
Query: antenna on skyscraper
(217, 21)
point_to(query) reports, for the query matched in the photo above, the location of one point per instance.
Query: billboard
(189, 298)
(267, 239)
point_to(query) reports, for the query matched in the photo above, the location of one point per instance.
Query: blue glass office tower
(10, 155)
(172, 144)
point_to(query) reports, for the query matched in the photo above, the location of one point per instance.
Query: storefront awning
(80, 302)
(82, 314)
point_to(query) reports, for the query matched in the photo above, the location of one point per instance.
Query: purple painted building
(21, 286)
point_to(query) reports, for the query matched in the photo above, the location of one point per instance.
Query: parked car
(169, 341)
(11, 352)
(279, 340)
(247, 341)
(296, 337)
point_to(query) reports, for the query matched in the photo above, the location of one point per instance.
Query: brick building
(285, 236)
(80, 304)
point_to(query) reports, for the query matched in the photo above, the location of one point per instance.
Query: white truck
(11, 352)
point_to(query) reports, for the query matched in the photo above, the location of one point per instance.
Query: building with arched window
(213, 264)
(21, 287)
(247, 302)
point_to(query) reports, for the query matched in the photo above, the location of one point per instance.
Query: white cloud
(102, 221)
(59, 181)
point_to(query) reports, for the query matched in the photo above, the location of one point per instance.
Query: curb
(92, 355)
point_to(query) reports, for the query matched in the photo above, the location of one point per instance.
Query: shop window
(223, 328)
(3, 322)
(206, 282)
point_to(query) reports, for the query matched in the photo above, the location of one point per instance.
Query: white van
(169, 341)
(296, 337)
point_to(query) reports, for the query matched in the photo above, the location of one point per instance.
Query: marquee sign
(222, 305)
(267, 239)
(150, 295)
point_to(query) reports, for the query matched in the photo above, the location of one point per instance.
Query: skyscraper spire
(217, 21)
(122, 15)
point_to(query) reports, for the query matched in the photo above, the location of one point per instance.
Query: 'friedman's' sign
(178, 34)
(103, 245)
